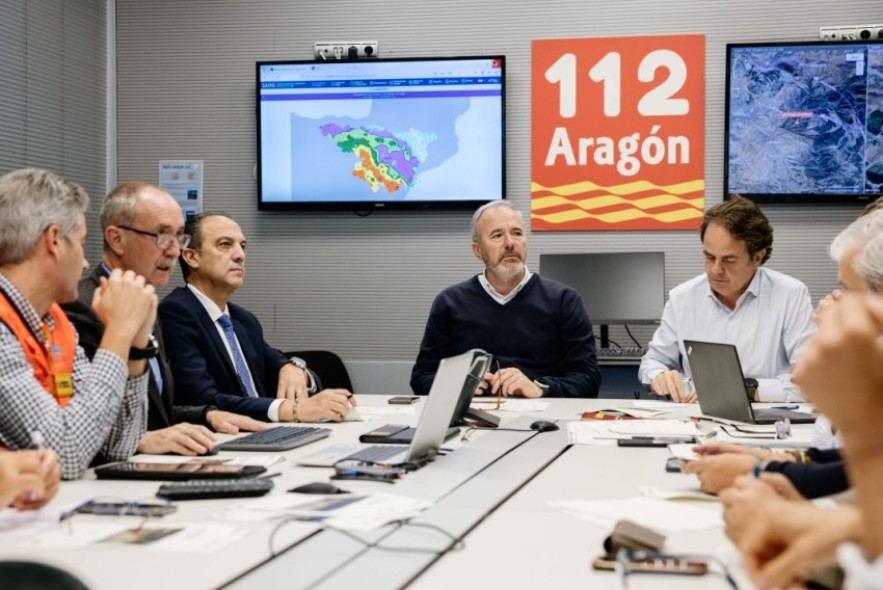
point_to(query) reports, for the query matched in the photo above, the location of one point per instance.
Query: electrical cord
(472, 428)
(458, 544)
(635, 340)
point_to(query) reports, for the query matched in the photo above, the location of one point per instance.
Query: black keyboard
(375, 453)
(215, 488)
(279, 438)
(628, 352)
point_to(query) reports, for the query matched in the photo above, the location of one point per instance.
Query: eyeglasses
(163, 239)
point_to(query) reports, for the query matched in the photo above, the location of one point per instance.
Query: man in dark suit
(143, 232)
(217, 348)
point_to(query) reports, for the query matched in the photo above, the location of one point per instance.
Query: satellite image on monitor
(806, 120)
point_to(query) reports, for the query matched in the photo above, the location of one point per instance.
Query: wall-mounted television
(804, 121)
(415, 133)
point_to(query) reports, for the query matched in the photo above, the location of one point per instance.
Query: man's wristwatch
(298, 362)
(541, 385)
(137, 354)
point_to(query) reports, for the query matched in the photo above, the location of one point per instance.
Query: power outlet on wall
(333, 50)
(851, 33)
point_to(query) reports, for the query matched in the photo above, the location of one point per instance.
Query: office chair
(328, 366)
(26, 575)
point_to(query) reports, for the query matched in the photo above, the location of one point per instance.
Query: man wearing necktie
(143, 231)
(217, 348)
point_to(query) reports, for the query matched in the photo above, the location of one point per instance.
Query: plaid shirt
(107, 413)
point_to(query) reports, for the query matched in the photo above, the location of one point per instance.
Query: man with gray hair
(49, 391)
(143, 230)
(537, 329)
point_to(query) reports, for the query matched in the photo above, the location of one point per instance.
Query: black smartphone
(657, 565)
(403, 400)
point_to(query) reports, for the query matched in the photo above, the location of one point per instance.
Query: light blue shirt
(495, 295)
(770, 324)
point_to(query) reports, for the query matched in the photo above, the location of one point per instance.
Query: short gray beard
(505, 273)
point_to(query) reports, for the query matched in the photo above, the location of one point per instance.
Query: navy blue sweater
(543, 331)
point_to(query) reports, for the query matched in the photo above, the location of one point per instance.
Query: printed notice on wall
(618, 133)
(183, 180)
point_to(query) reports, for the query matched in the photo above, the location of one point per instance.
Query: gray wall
(363, 286)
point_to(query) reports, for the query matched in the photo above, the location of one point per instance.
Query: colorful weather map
(383, 158)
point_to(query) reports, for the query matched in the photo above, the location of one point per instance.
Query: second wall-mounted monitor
(394, 133)
(804, 122)
(616, 287)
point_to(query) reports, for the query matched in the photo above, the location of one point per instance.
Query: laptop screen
(440, 404)
(720, 384)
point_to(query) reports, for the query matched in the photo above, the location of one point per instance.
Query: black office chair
(328, 366)
(27, 575)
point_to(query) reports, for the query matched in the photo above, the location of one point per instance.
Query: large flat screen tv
(803, 122)
(394, 133)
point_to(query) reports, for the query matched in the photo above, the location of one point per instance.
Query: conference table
(492, 522)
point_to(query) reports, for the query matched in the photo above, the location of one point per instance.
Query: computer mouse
(211, 451)
(543, 426)
(318, 487)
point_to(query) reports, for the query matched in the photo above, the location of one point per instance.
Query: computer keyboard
(215, 488)
(375, 453)
(279, 438)
(628, 352)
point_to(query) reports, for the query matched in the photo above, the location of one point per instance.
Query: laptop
(717, 375)
(432, 428)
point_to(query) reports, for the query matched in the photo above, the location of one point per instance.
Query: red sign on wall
(618, 133)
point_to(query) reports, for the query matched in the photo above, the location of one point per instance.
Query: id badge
(64, 384)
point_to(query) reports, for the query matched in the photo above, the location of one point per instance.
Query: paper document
(20, 524)
(588, 432)
(683, 493)
(257, 460)
(656, 514)
(342, 511)
(683, 451)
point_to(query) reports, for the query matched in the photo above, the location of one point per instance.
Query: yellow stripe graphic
(538, 204)
(621, 189)
(618, 216)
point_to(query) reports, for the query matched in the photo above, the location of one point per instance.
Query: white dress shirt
(860, 574)
(214, 313)
(496, 295)
(770, 324)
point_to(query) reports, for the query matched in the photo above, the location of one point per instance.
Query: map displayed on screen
(805, 119)
(382, 131)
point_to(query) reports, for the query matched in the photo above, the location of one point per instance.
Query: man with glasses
(143, 232)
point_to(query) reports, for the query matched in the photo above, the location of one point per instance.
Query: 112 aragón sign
(618, 133)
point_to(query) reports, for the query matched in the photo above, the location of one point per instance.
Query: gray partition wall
(362, 286)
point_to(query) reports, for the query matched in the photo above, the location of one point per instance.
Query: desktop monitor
(804, 121)
(404, 133)
(616, 288)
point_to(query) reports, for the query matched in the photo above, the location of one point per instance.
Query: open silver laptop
(431, 428)
(718, 377)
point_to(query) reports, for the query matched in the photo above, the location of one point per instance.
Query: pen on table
(269, 475)
(499, 387)
(794, 407)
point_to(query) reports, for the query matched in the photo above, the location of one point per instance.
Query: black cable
(457, 546)
(613, 342)
(635, 340)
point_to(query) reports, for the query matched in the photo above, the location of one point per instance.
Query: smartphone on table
(657, 565)
(403, 400)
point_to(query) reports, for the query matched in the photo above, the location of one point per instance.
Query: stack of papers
(602, 432)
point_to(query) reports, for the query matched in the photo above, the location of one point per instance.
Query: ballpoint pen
(499, 388)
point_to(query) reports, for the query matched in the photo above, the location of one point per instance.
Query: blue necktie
(238, 360)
